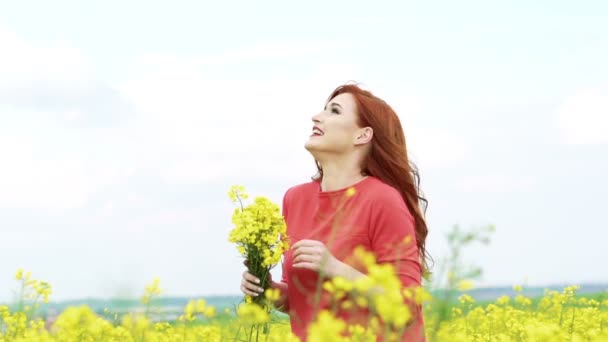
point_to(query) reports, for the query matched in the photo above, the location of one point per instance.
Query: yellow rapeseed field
(450, 314)
(556, 316)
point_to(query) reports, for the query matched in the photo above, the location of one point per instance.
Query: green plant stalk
(255, 267)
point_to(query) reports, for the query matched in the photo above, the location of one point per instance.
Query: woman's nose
(316, 118)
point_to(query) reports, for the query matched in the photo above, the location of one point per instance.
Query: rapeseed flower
(326, 328)
(380, 291)
(465, 285)
(252, 313)
(556, 316)
(350, 192)
(260, 236)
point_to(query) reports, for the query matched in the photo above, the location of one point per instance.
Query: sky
(124, 124)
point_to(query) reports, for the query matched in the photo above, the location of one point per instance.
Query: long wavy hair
(388, 159)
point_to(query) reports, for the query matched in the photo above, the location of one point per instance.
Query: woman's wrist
(282, 304)
(278, 285)
(346, 271)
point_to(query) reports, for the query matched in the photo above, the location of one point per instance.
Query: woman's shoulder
(302, 189)
(379, 191)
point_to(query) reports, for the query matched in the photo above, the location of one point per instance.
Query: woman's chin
(312, 145)
(310, 142)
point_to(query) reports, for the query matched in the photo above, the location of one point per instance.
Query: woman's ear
(365, 135)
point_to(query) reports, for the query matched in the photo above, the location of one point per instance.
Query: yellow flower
(251, 313)
(209, 311)
(421, 295)
(465, 285)
(201, 305)
(189, 311)
(272, 294)
(503, 300)
(392, 310)
(326, 328)
(466, 299)
(350, 192)
(151, 290)
(359, 333)
(347, 305)
(237, 192)
(522, 300)
(407, 240)
(259, 234)
(361, 301)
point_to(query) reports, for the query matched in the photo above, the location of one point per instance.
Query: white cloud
(187, 128)
(203, 129)
(261, 50)
(22, 63)
(495, 182)
(57, 81)
(436, 147)
(47, 93)
(31, 177)
(430, 144)
(583, 118)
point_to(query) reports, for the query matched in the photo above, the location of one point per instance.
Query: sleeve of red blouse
(393, 238)
(284, 213)
(282, 286)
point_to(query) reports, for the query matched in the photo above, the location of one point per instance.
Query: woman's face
(335, 129)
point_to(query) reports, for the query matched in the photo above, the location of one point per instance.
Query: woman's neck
(336, 176)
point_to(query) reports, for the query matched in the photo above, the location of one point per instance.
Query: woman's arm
(282, 304)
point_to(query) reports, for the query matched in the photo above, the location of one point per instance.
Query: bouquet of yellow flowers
(260, 235)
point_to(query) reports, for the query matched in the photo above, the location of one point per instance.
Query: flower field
(556, 316)
(450, 313)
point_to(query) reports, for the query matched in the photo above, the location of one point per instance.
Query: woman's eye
(335, 111)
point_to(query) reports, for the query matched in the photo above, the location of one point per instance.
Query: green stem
(238, 331)
(240, 202)
(31, 315)
(267, 329)
(21, 295)
(387, 330)
(572, 323)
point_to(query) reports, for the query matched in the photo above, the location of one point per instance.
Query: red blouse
(375, 217)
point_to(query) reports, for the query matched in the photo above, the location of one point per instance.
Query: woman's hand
(314, 255)
(250, 286)
(249, 283)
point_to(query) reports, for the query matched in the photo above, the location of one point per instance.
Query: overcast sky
(124, 124)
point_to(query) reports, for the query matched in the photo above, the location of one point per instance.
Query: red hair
(387, 158)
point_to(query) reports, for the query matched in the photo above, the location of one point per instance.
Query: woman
(363, 195)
